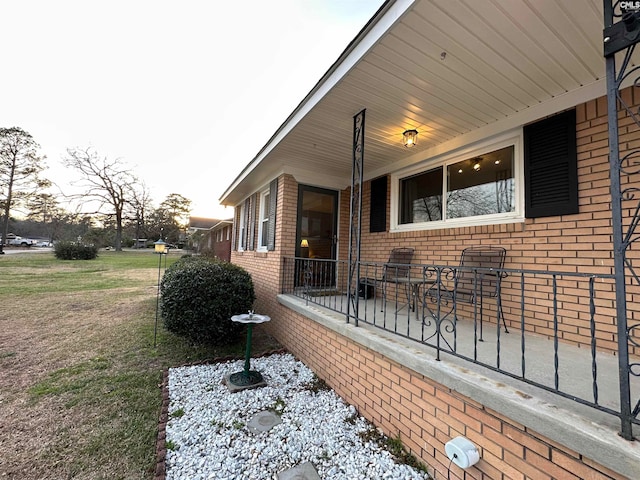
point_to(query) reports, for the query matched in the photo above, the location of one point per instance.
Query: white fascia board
(366, 39)
(250, 186)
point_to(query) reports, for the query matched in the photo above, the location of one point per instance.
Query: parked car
(44, 243)
(21, 241)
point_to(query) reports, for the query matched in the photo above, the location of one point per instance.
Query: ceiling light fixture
(410, 138)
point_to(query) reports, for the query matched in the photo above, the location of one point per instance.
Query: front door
(316, 235)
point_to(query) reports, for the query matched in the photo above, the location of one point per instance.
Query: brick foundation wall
(426, 414)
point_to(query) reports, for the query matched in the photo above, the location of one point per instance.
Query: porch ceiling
(445, 68)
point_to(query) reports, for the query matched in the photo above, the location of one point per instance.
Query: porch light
(160, 246)
(304, 243)
(410, 138)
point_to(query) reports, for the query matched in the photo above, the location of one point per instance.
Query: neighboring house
(200, 224)
(509, 103)
(217, 240)
(197, 229)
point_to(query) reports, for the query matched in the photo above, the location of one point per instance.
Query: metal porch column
(620, 39)
(355, 219)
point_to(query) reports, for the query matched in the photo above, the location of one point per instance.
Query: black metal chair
(479, 276)
(395, 271)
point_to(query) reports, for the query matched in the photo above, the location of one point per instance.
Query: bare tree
(140, 208)
(20, 168)
(106, 185)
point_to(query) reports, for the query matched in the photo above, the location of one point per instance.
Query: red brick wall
(222, 250)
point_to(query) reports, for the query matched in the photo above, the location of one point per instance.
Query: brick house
(509, 102)
(217, 240)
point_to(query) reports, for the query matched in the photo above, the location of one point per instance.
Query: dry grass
(79, 375)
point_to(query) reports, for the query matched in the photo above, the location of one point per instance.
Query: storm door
(316, 235)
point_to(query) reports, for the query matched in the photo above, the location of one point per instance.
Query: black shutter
(273, 203)
(252, 222)
(378, 212)
(551, 166)
(245, 233)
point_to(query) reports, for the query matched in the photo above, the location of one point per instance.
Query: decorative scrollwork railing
(439, 319)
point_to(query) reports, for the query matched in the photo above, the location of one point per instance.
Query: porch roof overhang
(458, 72)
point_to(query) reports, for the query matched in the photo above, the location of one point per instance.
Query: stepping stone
(304, 471)
(263, 421)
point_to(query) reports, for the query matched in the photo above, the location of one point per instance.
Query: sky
(185, 93)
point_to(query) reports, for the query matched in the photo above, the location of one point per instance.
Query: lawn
(79, 373)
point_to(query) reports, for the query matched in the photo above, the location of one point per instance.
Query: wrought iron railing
(553, 330)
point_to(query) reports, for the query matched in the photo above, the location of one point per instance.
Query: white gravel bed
(208, 438)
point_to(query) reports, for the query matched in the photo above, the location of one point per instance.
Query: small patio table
(413, 287)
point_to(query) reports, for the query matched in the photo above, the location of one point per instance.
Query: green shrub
(199, 296)
(75, 251)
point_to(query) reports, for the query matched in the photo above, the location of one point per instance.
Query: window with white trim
(479, 185)
(263, 227)
(258, 212)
